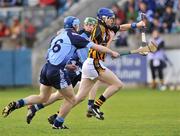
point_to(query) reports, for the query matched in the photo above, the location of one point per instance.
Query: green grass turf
(131, 112)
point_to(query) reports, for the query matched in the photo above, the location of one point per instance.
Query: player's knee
(59, 97)
(72, 100)
(118, 86)
(82, 98)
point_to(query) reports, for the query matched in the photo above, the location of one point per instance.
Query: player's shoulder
(98, 29)
(81, 31)
(72, 34)
(71, 31)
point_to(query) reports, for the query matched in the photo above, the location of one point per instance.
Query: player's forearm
(125, 27)
(133, 25)
(102, 49)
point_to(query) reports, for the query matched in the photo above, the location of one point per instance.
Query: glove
(114, 28)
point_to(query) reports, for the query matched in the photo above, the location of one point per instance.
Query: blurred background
(27, 26)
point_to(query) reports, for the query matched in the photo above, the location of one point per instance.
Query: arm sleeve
(115, 28)
(79, 41)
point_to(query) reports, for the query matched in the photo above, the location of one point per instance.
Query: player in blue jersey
(73, 68)
(53, 73)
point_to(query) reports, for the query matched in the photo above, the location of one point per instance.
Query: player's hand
(115, 54)
(71, 67)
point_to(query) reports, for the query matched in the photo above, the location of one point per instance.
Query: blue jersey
(83, 53)
(63, 46)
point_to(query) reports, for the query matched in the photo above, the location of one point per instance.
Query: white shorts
(91, 70)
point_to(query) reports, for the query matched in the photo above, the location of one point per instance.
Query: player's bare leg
(69, 101)
(85, 87)
(45, 92)
(32, 109)
(114, 84)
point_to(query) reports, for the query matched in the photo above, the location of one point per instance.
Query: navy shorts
(74, 78)
(54, 76)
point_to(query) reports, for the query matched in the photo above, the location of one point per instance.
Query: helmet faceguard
(71, 22)
(104, 14)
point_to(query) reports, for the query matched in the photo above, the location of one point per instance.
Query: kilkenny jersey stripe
(98, 36)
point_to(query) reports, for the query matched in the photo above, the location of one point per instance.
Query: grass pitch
(131, 112)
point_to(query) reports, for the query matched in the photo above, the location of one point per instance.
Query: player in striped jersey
(93, 68)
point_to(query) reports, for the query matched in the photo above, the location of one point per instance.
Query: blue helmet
(71, 22)
(105, 12)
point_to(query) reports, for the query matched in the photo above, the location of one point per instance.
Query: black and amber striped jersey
(99, 36)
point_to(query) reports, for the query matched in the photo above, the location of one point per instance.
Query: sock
(38, 106)
(58, 121)
(90, 103)
(20, 103)
(33, 108)
(98, 103)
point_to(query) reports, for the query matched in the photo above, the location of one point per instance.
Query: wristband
(134, 25)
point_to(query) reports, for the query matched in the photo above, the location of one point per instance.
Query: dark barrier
(15, 68)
